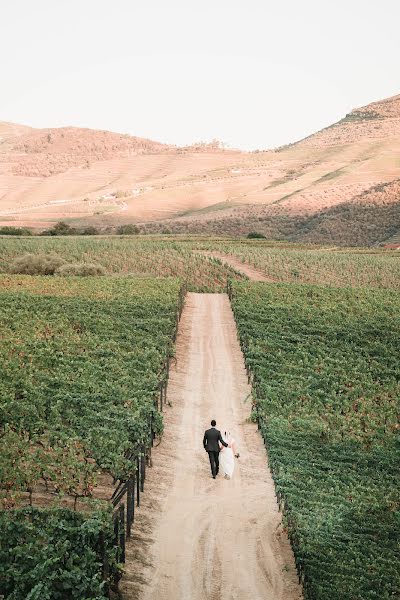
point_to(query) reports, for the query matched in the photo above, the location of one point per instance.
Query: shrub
(254, 235)
(7, 230)
(129, 229)
(90, 230)
(60, 228)
(80, 269)
(121, 194)
(37, 264)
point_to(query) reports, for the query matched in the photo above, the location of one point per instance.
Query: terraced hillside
(104, 179)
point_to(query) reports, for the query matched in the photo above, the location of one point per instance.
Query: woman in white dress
(227, 455)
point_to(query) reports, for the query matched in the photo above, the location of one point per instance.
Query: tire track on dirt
(197, 538)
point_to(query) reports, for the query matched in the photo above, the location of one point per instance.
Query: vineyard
(83, 372)
(124, 256)
(82, 363)
(322, 266)
(156, 257)
(326, 384)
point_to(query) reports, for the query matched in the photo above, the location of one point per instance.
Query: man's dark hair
(213, 423)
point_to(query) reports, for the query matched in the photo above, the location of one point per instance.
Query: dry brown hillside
(47, 152)
(376, 121)
(11, 131)
(103, 178)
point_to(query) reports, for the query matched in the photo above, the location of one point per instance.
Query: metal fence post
(137, 483)
(116, 529)
(122, 531)
(142, 468)
(130, 508)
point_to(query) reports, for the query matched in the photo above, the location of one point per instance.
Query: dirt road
(197, 538)
(232, 261)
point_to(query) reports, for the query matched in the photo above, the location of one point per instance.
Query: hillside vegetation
(348, 224)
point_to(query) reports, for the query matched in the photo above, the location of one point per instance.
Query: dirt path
(197, 538)
(251, 272)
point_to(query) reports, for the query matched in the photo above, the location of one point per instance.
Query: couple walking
(214, 443)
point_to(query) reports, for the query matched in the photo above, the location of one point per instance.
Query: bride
(226, 457)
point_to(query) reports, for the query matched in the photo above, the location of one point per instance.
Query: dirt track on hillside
(196, 538)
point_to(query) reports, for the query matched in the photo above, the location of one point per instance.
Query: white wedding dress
(227, 457)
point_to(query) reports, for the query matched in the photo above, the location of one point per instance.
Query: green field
(326, 389)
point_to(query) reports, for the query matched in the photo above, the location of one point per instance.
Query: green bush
(129, 229)
(37, 264)
(80, 269)
(61, 228)
(7, 230)
(254, 235)
(90, 230)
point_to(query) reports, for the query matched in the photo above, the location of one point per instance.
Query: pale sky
(252, 73)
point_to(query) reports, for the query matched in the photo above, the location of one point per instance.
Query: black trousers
(214, 462)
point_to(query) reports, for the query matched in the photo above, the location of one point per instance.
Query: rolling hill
(339, 185)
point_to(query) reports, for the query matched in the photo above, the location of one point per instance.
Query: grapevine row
(326, 384)
(84, 366)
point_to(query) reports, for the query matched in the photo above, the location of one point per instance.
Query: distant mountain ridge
(46, 152)
(12, 130)
(377, 120)
(341, 179)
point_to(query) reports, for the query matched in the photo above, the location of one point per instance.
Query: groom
(210, 442)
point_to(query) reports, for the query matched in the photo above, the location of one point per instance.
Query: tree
(60, 228)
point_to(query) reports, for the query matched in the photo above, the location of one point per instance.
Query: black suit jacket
(211, 438)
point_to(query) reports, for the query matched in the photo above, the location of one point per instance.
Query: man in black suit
(210, 442)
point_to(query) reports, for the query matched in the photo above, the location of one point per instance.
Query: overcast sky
(252, 73)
